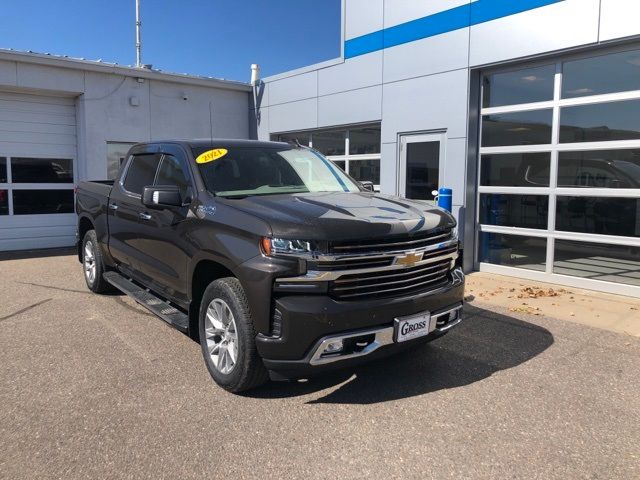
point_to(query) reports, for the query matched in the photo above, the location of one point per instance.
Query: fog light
(334, 346)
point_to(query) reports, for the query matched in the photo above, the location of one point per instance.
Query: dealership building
(529, 110)
(63, 120)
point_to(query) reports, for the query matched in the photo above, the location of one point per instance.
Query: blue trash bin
(445, 196)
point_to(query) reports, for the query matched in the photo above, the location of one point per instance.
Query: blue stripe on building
(442, 22)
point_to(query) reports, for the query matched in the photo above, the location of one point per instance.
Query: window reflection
(363, 141)
(141, 172)
(615, 72)
(329, 142)
(515, 170)
(524, 211)
(520, 86)
(597, 261)
(4, 202)
(423, 167)
(520, 128)
(600, 169)
(601, 215)
(600, 122)
(365, 170)
(3, 170)
(41, 170)
(513, 250)
(31, 202)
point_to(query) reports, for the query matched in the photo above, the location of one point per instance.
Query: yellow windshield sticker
(211, 155)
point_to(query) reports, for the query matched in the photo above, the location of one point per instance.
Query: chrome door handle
(113, 206)
(144, 216)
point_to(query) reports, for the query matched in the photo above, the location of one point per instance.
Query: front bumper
(308, 320)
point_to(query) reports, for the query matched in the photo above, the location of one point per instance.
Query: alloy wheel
(89, 262)
(221, 336)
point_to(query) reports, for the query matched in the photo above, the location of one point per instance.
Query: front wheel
(227, 337)
(93, 264)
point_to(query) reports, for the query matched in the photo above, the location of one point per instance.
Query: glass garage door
(37, 171)
(559, 174)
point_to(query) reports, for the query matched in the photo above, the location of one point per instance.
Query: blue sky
(219, 38)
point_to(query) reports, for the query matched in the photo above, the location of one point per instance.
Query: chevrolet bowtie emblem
(408, 259)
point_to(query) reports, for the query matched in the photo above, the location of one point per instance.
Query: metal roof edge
(104, 67)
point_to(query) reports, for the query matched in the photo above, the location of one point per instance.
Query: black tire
(249, 371)
(96, 283)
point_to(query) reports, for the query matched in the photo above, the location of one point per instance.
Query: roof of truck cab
(225, 143)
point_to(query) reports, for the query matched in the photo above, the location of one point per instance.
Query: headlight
(275, 246)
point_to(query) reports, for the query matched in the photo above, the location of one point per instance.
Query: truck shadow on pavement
(485, 343)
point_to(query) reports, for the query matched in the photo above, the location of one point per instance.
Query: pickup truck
(277, 261)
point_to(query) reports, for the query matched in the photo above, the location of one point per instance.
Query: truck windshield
(239, 172)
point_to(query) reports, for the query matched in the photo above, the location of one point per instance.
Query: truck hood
(342, 216)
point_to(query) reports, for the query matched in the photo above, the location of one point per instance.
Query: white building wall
(104, 107)
(111, 104)
(424, 85)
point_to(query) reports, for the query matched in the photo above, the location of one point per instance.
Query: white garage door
(37, 171)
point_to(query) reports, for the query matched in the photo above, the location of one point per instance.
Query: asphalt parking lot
(95, 387)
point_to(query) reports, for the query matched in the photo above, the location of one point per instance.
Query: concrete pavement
(95, 387)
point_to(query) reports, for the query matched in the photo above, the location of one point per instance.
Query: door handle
(144, 216)
(113, 206)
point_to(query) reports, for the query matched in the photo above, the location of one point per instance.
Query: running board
(148, 300)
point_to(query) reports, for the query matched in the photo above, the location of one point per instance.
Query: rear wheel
(227, 337)
(93, 264)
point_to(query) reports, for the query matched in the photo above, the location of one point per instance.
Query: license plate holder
(412, 326)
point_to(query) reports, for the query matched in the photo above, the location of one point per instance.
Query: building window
(354, 149)
(4, 202)
(559, 173)
(116, 155)
(36, 185)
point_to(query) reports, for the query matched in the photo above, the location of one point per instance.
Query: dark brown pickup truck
(269, 254)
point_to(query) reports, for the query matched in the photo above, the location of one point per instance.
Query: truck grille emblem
(408, 259)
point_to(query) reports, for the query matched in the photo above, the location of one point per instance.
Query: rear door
(125, 208)
(164, 232)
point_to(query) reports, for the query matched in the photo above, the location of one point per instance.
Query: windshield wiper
(236, 197)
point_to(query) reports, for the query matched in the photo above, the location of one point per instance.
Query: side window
(141, 172)
(171, 172)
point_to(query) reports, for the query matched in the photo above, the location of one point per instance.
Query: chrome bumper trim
(383, 336)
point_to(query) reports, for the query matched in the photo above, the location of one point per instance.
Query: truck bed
(92, 200)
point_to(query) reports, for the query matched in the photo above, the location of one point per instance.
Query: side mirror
(367, 186)
(161, 196)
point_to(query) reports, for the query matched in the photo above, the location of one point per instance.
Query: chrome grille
(391, 282)
(352, 263)
(390, 244)
(381, 268)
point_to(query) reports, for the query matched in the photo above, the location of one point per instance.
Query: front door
(420, 159)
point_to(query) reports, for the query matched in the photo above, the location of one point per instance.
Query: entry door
(420, 159)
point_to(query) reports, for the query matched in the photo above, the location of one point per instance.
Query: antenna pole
(138, 38)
